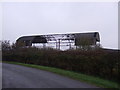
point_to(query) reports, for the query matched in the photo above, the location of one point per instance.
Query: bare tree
(5, 45)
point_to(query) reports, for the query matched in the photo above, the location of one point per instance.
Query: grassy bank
(77, 76)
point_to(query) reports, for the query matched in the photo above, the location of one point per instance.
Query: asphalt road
(16, 76)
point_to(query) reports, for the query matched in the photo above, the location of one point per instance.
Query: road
(16, 76)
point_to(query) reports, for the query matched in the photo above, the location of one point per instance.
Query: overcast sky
(48, 18)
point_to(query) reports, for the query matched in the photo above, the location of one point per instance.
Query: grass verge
(77, 76)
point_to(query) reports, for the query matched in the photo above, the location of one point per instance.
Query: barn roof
(71, 36)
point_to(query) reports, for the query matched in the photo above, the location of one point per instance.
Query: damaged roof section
(90, 38)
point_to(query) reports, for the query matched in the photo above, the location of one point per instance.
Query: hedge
(102, 63)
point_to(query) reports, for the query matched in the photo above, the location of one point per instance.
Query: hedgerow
(100, 62)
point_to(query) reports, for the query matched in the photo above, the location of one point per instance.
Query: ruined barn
(59, 41)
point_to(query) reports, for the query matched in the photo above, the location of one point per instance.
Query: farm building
(60, 41)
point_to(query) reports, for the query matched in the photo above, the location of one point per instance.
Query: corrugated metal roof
(92, 37)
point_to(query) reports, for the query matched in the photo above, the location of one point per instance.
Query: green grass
(77, 76)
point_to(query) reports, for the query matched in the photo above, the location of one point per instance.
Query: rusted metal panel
(87, 38)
